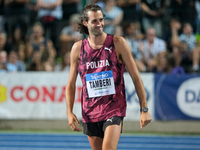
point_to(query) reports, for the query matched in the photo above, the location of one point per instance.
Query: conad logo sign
(3, 91)
(188, 97)
(34, 94)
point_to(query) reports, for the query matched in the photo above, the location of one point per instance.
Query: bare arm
(123, 50)
(175, 38)
(71, 85)
(116, 21)
(146, 9)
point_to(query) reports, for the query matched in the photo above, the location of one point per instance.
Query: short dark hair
(84, 17)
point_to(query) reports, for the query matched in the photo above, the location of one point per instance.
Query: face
(187, 29)
(151, 33)
(175, 24)
(13, 57)
(3, 57)
(131, 29)
(37, 31)
(95, 23)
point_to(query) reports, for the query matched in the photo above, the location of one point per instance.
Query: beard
(96, 32)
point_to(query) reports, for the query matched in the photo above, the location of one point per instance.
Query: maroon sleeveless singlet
(103, 93)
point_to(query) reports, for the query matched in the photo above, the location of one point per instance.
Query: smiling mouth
(98, 28)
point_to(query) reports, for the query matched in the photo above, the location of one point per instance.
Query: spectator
(153, 12)
(114, 16)
(168, 63)
(178, 51)
(184, 9)
(65, 65)
(3, 60)
(49, 13)
(16, 12)
(133, 37)
(131, 9)
(37, 45)
(46, 59)
(13, 64)
(42, 60)
(4, 46)
(37, 38)
(18, 37)
(151, 48)
(69, 34)
(188, 40)
(175, 26)
(188, 37)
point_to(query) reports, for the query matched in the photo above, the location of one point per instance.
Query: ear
(85, 23)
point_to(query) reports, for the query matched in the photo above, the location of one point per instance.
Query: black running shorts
(98, 128)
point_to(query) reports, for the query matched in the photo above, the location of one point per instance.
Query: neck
(97, 40)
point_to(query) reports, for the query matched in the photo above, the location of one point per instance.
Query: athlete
(100, 59)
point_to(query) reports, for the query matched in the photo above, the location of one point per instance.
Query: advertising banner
(133, 106)
(34, 95)
(41, 95)
(177, 97)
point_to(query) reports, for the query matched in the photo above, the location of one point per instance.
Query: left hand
(145, 118)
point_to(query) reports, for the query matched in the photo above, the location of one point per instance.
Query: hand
(72, 119)
(145, 118)
(141, 47)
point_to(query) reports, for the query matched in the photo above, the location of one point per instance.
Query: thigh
(111, 137)
(95, 142)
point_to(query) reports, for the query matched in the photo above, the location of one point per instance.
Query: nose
(98, 23)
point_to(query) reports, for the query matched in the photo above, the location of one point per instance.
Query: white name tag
(100, 84)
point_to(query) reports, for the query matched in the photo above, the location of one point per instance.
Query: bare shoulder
(77, 45)
(118, 40)
(76, 49)
(120, 44)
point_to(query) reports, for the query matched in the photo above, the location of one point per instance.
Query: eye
(94, 21)
(101, 19)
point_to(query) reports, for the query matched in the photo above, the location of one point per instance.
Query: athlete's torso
(103, 93)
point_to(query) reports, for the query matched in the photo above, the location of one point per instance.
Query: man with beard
(100, 60)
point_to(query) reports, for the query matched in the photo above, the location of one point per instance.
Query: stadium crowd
(163, 35)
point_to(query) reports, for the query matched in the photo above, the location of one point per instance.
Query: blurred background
(36, 37)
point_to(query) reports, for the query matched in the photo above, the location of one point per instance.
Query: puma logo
(110, 119)
(109, 49)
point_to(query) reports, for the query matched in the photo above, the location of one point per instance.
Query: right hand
(72, 119)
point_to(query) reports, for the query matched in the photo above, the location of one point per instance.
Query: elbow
(70, 88)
